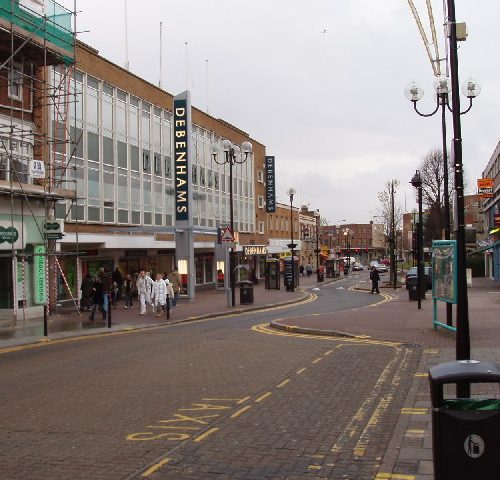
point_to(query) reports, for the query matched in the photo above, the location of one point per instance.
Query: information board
(444, 270)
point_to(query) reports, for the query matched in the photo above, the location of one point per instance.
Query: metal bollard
(45, 324)
(109, 310)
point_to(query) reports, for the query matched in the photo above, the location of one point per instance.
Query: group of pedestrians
(160, 294)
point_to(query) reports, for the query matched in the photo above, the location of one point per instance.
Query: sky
(320, 83)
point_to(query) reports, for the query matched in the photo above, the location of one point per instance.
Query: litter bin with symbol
(246, 292)
(465, 431)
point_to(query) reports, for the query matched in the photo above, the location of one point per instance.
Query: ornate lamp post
(471, 89)
(232, 156)
(416, 181)
(291, 192)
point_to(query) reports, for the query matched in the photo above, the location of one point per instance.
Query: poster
(444, 275)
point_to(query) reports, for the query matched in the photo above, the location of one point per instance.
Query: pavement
(67, 321)
(395, 318)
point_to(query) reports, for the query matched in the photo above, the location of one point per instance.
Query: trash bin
(413, 290)
(465, 431)
(246, 292)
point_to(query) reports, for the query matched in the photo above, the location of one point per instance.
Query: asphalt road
(225, 398)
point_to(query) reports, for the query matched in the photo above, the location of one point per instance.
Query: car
(412, 277)
(357, 267)
(381, 268)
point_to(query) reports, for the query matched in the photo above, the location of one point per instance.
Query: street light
(347, 242)
(232, 156)
(291, 285)
(471, 89)
(416, 181)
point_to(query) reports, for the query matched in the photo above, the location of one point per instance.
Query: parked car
(357, 267)
(385, 261)
(412, 277)
(381, 268)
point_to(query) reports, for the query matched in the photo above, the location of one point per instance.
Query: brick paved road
(204, 400)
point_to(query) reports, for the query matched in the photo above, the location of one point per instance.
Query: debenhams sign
(254, 250)
(181, 142)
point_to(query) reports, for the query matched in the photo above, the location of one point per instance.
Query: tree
(432, 174)
(384, 215)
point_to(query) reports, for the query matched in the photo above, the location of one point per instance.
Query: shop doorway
(6, 286)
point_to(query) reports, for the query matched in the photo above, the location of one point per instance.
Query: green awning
(485, 248)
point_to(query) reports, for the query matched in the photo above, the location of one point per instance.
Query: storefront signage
(270, 185)
(52, 231)
(485, 187)
(40, 275)
(249, 250)
(181, 142)
(9, 234)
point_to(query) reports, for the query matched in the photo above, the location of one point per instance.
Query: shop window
(15, 82)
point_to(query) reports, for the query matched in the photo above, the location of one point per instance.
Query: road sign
(227, 236)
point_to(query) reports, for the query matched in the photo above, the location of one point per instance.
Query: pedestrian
(375, 278)
(159, 294)
(309, 269)
(176, 281)
(106, 286)
(170, 294)
(301, 270)
(118, 279)
(86, 288)
(130, 289)
(97, 300)
(143, 285)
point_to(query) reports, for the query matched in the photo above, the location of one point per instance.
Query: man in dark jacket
(375, 278)
(117, 278)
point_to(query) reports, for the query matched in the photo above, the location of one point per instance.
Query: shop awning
(486, 248)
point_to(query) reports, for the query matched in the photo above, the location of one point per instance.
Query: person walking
(176, 281)
(117, 278)
(86, 288)
(129, 290)
(170, 294)
(97, 300)
(106, 286)
(144, 285)
(375, 278)
(309, 269)
(159, 295)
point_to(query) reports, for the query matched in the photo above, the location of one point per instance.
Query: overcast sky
(319, 82)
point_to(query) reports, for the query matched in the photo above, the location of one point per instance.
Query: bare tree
(384, 216)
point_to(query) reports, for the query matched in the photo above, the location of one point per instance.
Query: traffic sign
(227, 236)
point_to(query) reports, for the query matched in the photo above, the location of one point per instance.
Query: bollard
(109, 310)
(45, 325)
(168, 307)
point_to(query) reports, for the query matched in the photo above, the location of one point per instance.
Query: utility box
(465, 431)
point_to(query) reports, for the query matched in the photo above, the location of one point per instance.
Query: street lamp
(347, 242)
(291, 285)
(471, 89)
(416, 181)
(232, 156)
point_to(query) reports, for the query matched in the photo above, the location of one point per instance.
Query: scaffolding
(37, 146)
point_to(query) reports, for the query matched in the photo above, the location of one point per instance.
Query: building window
(146, 164)
(260, 201)
(15, 82)
(260, 176)
(261, 228)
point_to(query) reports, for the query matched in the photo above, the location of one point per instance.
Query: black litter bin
(413, 290)
(465, 431)
(246, 292)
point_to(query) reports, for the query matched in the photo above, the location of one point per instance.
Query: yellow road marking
(317, 360)
(237, 400)
(302, 370)
(314, 467)
(414, 411)
(283, 383)
(263, 397)
(394, 476)
(205, 435)
(243, 400)
(328, 353)
(318, 456)
(415, 433)
(431, 351)
(241, 411)
(156, 467)
(421, 374)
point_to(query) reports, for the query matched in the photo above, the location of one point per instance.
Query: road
(226, 398)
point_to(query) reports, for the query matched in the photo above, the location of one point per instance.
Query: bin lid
(472, 371)
(246, 282)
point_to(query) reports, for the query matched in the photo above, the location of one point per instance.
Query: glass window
(122, 216)
(121, 121)
(147, 218)
(109, 215)
(136, 217)
(122, 191)
(107, 114)
(145, 128)
(92, 82)
(122, 96)
(77, 142)
(195, 174)
(134, 158)
(92, 107)
(93, 184)
(107, 151)
(109, 186)
(146, 189)
(134, 124)
(77, 212)
(122, 154)
(107, 89)
(135, 193)
(168, 167)
(146, 163)
(158, 219)
(202, 177)
(93, 146)
(157, 163)
(94, 214)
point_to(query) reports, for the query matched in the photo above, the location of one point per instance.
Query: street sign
(485, 187)
(227, 236)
